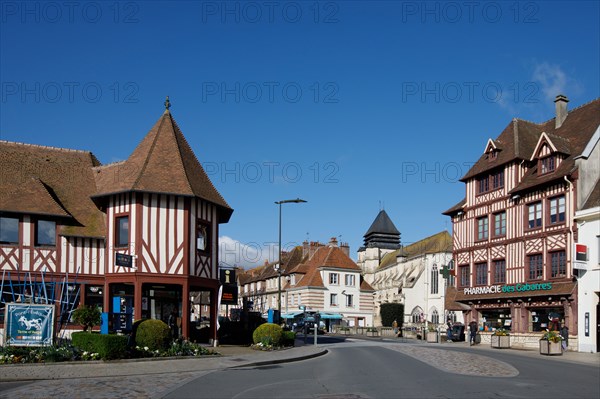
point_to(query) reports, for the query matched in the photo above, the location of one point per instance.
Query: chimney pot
(561, 110)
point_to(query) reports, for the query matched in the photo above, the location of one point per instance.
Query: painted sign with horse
(28, 324)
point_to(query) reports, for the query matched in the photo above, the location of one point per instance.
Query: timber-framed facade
(514, 232)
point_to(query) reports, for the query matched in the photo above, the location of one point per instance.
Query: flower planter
(500, 341)
(432, 336)
(550, 348)
(372, 333)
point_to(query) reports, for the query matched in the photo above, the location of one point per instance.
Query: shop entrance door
(159, 301)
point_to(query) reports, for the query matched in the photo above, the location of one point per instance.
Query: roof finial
(167, 104)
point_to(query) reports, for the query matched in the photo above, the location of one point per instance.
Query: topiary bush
(267, 334)
(87, 316)
(154, 334)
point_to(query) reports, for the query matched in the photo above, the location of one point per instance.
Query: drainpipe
(570, 248)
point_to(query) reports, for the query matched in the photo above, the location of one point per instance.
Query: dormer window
(490, 182)
(547, 165)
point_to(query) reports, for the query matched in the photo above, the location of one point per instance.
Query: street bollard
(315, 334)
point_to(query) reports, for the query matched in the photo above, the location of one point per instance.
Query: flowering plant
(501, 332)
(552, 336)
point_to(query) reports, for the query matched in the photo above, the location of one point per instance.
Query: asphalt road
(355, 370)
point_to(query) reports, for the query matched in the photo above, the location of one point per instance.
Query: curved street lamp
(291, 201)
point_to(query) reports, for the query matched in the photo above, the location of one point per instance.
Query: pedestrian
(449, 330)
(395, 327)
(172, 322)
(564, 333)
(472, 332)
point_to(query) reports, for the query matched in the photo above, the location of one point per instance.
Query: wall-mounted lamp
(460, 213)
(516, 197)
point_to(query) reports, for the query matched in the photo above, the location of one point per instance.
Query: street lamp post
(292, 201)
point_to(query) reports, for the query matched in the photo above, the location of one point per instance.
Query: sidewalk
(592, 359)
(231, 356)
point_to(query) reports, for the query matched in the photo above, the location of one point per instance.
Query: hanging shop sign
(28, 324)
(498, 289)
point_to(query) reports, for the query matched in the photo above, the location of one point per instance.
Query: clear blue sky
(346, 104)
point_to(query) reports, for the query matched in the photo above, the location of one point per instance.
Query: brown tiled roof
(53, 182)
(162, 163)
(266, 271)
(328, 257)
(458, 207)
(519, 139)
(440, 242)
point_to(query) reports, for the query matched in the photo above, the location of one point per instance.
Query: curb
(278, 361)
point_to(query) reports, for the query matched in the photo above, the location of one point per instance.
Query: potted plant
(344, 330)
(432, 334)
(551, 343)
(500, 339)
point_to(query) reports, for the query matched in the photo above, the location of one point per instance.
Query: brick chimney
(561, 110)
(333, 242)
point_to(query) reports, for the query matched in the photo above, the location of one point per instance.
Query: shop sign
(497, 289)
(28, 324)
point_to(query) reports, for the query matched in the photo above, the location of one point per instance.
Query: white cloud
(247, 255)
(552, 81)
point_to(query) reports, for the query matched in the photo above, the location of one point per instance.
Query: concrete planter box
(550, 348)
(500, 341)
(432, 336)
(372, 333)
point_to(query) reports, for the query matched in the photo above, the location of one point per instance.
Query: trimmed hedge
(154, 334)
(107, 346)
(267, 334)
(390, 312)
(288, 338)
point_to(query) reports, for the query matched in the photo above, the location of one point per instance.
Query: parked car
(298, 326)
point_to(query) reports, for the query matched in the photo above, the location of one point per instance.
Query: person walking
(395, 327)
(449, 330)
(472, 332)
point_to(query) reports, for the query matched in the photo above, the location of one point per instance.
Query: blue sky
(350, 105)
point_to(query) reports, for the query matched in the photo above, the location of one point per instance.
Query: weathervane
(167, 104)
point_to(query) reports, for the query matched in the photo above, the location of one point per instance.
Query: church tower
(381, 238)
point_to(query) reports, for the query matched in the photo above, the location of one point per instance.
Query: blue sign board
(28, 324)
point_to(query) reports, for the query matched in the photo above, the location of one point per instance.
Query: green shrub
(153, 334)
(87, 316)
(109, 346)
(288, 338)
(390, 312)
(267, 334)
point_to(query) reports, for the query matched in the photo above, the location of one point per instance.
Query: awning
(290, 315)
(331, 316)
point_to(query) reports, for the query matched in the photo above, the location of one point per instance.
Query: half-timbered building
(514, 232)
(66, 217)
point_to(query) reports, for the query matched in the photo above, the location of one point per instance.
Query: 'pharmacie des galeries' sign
(497, 289)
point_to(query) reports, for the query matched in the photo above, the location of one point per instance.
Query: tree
(390, 312)
(87, 316)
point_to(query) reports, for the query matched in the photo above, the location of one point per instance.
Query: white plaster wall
(589, 281)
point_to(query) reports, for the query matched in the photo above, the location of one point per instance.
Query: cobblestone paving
(147, 386)
(459, 362)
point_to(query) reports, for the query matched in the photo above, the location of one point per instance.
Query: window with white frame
(333, 299)
(557, 209)
(434, 279)
(333, 278)
(349, 301)
(350, 279)
(435, 317)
